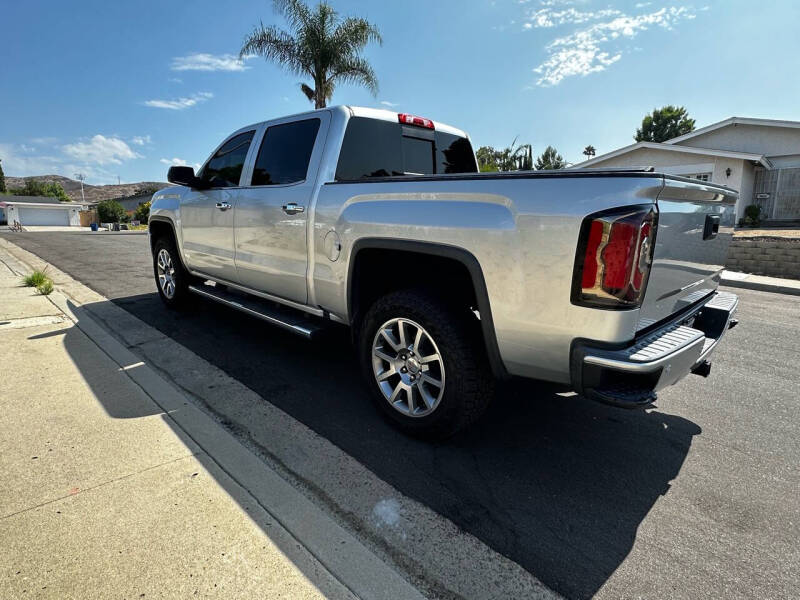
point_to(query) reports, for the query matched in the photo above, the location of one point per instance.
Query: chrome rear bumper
(630, 376)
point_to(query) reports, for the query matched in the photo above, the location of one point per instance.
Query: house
(758, 157)
(39, 210)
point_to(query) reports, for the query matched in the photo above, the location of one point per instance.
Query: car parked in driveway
(449, 278)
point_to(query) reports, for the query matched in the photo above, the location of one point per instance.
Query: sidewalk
(112, 484)
(760, 282)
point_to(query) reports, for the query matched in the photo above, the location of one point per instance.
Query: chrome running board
(284, 317)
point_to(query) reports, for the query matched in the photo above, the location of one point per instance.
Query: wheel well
(378, 271)
(159, 229)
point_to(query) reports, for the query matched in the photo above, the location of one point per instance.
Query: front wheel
(425, 364)
(172, 280)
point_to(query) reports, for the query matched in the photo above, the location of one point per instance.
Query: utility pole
(118, 182)
(81, 177)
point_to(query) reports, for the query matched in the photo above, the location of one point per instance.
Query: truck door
(207, 215)
(272, 211)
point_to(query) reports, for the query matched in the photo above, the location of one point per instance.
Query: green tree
(110, 211)
(2, 178)
(664, 124)
(589, 152)
(550, 159)
(34, 187)
(512, 158)
(320, 45)
(142, 212)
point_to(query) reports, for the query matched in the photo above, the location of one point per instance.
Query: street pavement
(697, 497)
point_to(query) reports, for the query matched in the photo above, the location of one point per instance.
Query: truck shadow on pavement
(555, 482)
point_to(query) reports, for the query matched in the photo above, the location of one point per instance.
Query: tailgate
(695, 227)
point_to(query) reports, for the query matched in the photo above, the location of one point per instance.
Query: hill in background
(93, 193)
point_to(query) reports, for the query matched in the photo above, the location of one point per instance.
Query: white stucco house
(39, 210)
(758, 157)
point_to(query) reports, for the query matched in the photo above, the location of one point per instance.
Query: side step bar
(284, 317)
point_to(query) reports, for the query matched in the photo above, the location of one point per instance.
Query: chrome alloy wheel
(408, 367)
(166, 273)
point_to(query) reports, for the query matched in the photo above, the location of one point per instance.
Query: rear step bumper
(632, 375)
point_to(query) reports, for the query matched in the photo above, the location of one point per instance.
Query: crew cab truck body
(605, 280)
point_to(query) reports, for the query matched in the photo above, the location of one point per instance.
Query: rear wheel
(424, 363)
(172, 280)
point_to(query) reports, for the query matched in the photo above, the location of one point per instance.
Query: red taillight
(614, 259)
(407, 119)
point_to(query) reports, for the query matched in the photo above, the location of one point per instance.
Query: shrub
(45, 288)
(142, 213)
(110, 211)
(752, 216)
(36, 279)
(34, 187)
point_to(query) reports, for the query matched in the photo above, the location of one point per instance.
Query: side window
(225, 167)
(285, 153)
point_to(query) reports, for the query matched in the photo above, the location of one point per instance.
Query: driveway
(697, 497)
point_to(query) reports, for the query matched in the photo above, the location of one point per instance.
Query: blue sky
(127, 88)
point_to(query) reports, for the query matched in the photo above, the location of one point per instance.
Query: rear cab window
(375, 148)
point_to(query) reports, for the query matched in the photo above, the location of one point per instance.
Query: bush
(752, 216)
(142, 213)
(110, 211)
(35, 279)
(45, 288)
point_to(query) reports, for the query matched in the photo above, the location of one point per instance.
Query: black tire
(180, 276)
(468, 381)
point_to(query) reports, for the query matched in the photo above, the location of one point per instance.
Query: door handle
(292, 208)
(223, 205)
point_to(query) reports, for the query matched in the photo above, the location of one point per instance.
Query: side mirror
(183, 175)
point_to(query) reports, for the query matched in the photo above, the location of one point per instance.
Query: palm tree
(589, 151)
(320, 45)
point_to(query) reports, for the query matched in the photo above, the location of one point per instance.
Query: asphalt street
(697, 497)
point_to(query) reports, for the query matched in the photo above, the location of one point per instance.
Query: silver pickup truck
(605, 280)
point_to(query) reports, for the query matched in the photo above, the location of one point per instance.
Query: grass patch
(36, 279)
(46, 287)
(142, 227)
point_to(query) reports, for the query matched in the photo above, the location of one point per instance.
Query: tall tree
(664, 124)
(2, 178)
(589, 152)
(319, 44)
(550, 159)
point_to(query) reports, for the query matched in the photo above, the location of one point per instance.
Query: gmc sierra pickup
(605, 280)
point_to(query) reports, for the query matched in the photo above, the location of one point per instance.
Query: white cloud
(595, 48)
(201, 61)
(180, 103)
(389, 104)
(178, 162)
(101, 150)
(16, 164)
(552, 17)
(141, 140)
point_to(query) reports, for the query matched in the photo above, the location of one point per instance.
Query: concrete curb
(760, 283)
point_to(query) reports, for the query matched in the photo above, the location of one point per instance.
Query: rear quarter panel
(522, 230)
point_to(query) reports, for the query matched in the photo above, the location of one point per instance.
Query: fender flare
(460, 255)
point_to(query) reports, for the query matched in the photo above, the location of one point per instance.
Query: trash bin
(93, 226)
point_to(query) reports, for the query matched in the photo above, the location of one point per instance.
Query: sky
(126, 89)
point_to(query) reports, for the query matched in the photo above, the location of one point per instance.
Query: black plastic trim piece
(445, 251)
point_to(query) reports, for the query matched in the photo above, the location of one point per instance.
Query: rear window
(374, 148)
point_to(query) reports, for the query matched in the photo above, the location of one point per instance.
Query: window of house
(225, 168)
(285, 153)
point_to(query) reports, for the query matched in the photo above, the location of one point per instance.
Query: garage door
(43, 216)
